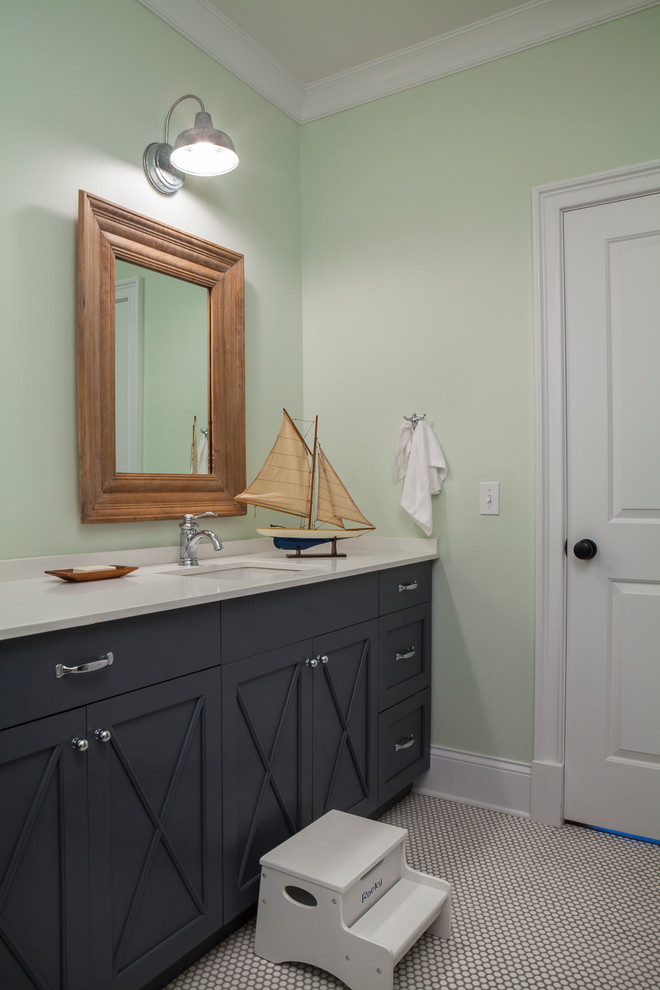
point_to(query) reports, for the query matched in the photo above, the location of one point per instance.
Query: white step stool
(339, 895)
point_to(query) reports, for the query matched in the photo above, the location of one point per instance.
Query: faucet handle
(189, 520)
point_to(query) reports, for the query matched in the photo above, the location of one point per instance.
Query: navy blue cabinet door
(267, 736)
(345, 721)
(44, 927)
(155, 827)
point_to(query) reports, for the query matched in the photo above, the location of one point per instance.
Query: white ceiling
(315, 39)
(312, 58)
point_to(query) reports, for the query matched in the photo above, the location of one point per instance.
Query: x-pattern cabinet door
(44, 924)
(345, 707)
(267, 737)
(155, 827)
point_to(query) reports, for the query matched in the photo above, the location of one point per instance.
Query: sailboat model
(302, 482)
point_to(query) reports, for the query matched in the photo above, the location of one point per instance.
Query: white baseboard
(501, 785)
(547, 805)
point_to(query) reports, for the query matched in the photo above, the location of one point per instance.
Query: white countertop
(34, 602)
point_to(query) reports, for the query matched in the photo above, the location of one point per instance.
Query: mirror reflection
(161, 373)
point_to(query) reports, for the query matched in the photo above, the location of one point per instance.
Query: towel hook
(414, 419)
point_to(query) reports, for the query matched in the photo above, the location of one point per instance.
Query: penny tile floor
(534, 908)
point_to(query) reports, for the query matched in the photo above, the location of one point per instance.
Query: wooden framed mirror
(145, 479)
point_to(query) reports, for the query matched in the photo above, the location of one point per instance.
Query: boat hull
(284, 543)
(301, 539)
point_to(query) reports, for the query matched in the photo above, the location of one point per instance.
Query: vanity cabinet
(111, 835)
(404, 668)
(300, 717)
(299, 738)
(140, 792)
(324, 722)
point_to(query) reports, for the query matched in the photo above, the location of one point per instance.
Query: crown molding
(524, 27)
(220, 38)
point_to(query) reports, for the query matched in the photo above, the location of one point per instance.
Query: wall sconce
(201, 150)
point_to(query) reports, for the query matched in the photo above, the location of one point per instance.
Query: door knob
(585, 549)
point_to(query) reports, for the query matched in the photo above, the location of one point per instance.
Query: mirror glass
(161, 373)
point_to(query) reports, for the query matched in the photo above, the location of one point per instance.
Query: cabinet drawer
(404, 654)
(404, 735)
(265, 622)
(401, 587)
(146, 649)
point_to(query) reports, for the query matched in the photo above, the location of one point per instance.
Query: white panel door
(612, 291)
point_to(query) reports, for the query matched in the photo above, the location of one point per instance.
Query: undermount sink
(240, 570)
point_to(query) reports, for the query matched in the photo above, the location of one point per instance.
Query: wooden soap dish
(68, 574)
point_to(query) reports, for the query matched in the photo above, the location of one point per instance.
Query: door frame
(129, 441)
(549, 203)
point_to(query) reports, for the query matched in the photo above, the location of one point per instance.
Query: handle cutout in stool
(300, 896)
(372, 869)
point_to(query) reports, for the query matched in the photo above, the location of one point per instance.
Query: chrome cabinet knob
(315, 661)
(103, 735)
(80, 745)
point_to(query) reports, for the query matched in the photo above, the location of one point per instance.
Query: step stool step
(398, 919)
(336, 850)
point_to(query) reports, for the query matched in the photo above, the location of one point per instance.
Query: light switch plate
(489, 498)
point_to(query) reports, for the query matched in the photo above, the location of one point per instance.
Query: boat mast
(311, 493)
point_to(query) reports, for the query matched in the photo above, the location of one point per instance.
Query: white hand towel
(402, 453)
(420, 457)
(203, 455)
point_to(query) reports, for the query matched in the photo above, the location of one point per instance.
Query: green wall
(406, 221)
(86, 85)
(418, 296)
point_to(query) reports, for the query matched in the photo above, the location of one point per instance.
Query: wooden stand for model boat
(333, 552)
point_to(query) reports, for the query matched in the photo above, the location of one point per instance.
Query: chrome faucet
(190, 537)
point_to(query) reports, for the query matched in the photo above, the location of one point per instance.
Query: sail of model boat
(284, 481)
(334, 504)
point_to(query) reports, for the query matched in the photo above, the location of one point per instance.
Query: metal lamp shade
(202, 150)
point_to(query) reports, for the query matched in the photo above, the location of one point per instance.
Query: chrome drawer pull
(80, 745)
(413, 586)
(405, 656)
(404, 745)
(103, 735)
(84, 668)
